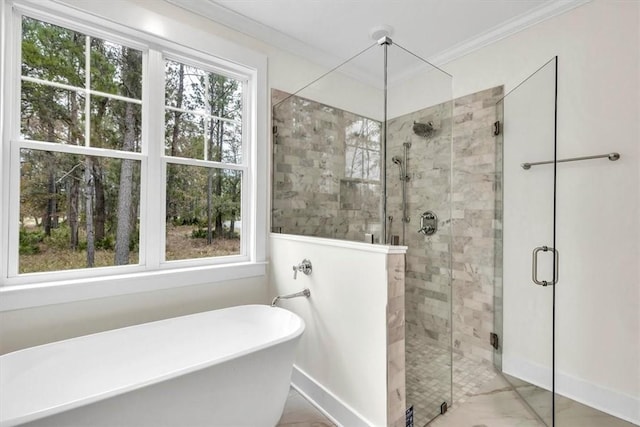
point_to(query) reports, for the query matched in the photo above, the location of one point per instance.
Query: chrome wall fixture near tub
(224, 367)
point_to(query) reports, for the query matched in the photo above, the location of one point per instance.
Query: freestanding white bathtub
(228, 367)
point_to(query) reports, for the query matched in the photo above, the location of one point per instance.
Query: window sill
(26, 296)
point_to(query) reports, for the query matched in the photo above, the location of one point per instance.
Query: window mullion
(87, 87)
(204, 163)
(10, 128)
(203, 114)
(80, 90)
(207, 105)
(247, 194)
(76, 149)
(14, 214)
(154, 185)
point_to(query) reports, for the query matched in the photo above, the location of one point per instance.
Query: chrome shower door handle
(534, 267)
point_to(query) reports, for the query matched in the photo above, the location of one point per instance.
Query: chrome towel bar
(610, 156)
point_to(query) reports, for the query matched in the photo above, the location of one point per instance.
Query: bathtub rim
(96, 397)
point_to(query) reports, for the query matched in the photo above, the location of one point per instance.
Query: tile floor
(494, 404)
(429, 377)
(298, 412)
(497, 404)
(428, 382)
(568, 412)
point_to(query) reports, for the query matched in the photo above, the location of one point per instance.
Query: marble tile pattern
(428, 277)
(435, 375)
(496, 404)
(428, 367)
(326, 177)
(450, 277)
(451, 274)
(451, 172)
(476, 223)
(396, 376)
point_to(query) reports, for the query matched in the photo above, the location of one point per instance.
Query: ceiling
(329, 32)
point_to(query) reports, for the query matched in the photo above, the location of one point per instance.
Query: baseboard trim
(612, 402)
(329, 404)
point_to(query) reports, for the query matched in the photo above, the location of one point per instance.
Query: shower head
(423, 129)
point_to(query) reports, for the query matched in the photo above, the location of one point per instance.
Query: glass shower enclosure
(419, 183)
(363, 153)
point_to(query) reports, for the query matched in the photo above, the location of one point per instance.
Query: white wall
(427, 87)
(598, 219)
(344, 346)
(33, 326)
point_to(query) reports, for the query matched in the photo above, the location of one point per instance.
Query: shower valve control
(304, 266)
(428, 223)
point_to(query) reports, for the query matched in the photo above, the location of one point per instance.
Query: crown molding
(506, 29)
(257, 30)
(268, 35)
(252, 28)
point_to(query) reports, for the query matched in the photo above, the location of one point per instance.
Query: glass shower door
(526, 294)
(419, 169)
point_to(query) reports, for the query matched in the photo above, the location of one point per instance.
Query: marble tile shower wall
(467, 202)
(477, 223)
(396, 343)
(427, 275)
(327, 185)
(326, 179)
(427, 279)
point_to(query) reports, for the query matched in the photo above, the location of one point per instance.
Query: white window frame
(150, 32)
(245, 202)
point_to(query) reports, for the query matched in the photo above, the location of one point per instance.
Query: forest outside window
(362, 149)
(78, 208)
(203, 145)
(91, 188)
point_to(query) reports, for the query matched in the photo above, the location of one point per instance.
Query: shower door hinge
(408, 416)
(494, 340)
(274, 129)
(496, 128)
(443, 408)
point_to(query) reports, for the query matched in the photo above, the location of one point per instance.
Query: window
(362, 148)
(203, 145)
(125, 153)
(79, 208)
